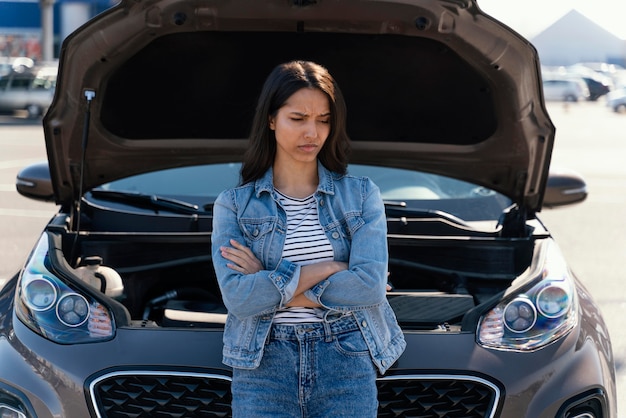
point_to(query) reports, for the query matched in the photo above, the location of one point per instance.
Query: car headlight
(537, 317)
(8, 412)
(54, 308)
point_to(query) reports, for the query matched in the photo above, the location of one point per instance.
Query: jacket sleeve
(363, 285)
(247, 295)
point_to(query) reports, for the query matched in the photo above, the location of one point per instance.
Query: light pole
(47, 29)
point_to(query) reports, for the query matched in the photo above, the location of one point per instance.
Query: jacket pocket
(256, 229)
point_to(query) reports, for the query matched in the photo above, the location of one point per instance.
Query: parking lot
(590, 140)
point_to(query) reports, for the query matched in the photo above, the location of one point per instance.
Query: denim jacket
(352, 215)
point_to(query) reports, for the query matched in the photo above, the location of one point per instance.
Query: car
(614, 72)
(566, 88)
(17, 64)
(31, 90)
(616, 100)
(117, 311)
(598, 83)
(597, 88)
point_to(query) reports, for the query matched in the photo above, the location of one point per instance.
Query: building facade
(21, 24)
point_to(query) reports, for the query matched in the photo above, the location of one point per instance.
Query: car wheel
(620, 108)
(33, 111)
(571, 98)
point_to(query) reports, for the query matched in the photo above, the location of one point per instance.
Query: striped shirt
(305, 243)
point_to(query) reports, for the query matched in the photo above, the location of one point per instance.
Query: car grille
(436, 396)
(161, 394)
(172, 394)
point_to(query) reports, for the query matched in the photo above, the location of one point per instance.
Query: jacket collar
(326, 181)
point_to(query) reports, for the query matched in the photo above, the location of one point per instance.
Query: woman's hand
(241, 258)
(312, 274)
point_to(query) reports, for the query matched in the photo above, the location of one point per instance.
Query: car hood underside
(431, 85)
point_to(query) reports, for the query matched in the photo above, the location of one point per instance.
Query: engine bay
(168, 279)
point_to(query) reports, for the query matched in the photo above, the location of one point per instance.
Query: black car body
(596, 87)
(149, 121)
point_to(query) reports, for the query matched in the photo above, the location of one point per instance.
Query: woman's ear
(272, 125)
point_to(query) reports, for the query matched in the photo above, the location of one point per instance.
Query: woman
(300, 253)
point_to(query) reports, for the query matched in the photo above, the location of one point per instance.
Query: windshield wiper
(399, 209)
(147, 200)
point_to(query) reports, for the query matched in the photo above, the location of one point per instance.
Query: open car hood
(431, 85)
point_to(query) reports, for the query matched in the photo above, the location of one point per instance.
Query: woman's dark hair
(282, 83)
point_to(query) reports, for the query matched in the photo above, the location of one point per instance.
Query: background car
(596, 87)
(31, 90)
(566, 89)
(598, 82)
(15, 64)
(117, 311)
(616, 100)
(615, 73)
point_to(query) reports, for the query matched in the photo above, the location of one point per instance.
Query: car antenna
(89, 96)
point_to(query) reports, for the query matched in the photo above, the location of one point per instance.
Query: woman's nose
(311, 130)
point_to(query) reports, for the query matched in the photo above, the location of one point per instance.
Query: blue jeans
(316, 370)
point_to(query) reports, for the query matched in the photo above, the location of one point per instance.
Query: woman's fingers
(243, 258)
(237, 253)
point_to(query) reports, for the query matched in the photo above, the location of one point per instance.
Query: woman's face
(301, 126)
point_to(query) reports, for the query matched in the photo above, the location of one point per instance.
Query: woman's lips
(308, 147)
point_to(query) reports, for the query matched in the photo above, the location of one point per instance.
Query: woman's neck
(298, 182)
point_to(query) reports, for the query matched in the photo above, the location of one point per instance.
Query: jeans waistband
(314, 330)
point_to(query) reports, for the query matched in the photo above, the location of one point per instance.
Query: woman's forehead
(308, 101)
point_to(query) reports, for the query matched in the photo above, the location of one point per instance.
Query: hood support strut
(89, 96)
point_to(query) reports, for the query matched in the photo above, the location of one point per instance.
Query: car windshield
(408, 189)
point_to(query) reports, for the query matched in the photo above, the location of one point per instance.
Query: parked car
(601, 67)
(30, 90)
(117, 311)
(15, 64)
(566, 89)
(596, 88)
(597, 82)
(616, 100)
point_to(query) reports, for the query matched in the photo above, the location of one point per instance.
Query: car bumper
(45, 379)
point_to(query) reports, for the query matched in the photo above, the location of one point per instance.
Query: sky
(530, 17)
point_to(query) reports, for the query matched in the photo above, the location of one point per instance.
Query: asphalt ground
(590, 140)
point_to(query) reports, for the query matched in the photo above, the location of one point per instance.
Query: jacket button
(335, 235)
(321, 203)
(364, 324)
(256, 232)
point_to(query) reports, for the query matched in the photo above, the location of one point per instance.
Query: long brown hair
(282, 82)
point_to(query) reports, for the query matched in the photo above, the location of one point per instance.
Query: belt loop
(328, 333)
(332, 316)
